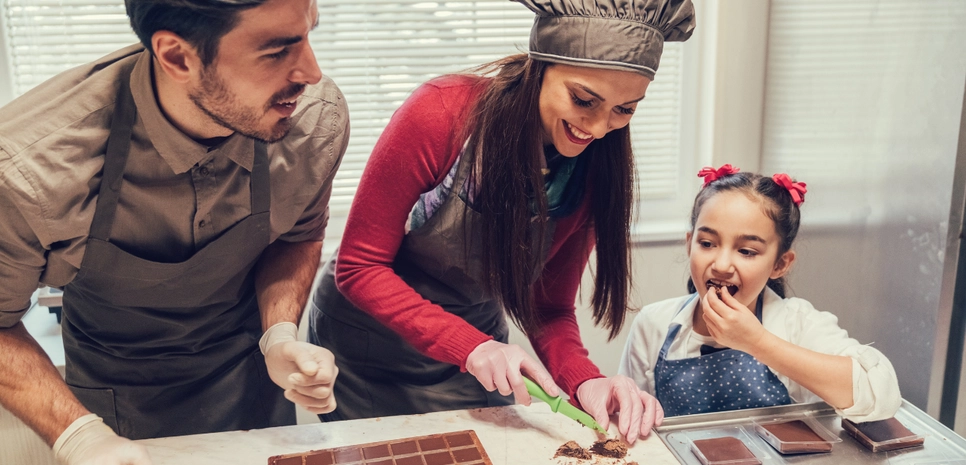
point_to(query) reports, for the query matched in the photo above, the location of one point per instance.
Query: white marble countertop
(511, 435)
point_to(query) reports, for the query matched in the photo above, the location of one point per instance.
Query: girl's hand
(639, 411)
(730, 323)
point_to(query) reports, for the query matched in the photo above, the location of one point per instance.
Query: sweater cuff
(572, 377)
(458, 344)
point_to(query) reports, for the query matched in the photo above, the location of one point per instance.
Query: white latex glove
(88, 441)
(305, 371)
(639, 411)
(498, 366)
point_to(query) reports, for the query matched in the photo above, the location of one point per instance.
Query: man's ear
(783, 264)
(177, 58)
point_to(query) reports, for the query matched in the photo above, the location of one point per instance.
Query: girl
(737, 342)
(515, 177)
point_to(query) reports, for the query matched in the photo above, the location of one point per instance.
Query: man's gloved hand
(305, 371)
(499, 366)
(88, 441)
(639, 411)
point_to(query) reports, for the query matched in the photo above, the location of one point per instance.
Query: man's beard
(219, 103)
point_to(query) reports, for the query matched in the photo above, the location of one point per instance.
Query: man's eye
(279, 55)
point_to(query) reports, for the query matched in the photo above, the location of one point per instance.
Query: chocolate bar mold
(455, 448)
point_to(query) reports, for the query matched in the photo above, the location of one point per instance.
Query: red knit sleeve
(558, 343)
(412, 156)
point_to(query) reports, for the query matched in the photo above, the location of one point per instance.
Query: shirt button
(201, 224)
(204, 172)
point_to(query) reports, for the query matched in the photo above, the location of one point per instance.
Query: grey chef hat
(626, 35)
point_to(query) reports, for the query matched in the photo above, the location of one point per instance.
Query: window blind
(844, 94)
(377, 51)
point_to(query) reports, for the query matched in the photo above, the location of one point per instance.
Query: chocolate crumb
(572, 449)
(631, 463)
(610, 448)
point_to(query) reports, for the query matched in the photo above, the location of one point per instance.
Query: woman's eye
(581, 102)
(624, 110)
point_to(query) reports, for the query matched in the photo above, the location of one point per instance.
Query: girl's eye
(748, 252)
(705, 244)
(278, 55)
(580, 102)
(624, 110)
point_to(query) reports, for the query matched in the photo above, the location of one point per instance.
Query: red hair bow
(797, 189)
(710, 174)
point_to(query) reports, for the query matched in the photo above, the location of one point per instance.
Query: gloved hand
(639, 411)
(305, 371)
(88, 441)
(499, 366)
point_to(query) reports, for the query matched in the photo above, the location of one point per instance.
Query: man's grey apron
(167, 349)
(380, 374)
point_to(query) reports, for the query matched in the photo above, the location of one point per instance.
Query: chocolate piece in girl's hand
(723, 450)
(884, 435)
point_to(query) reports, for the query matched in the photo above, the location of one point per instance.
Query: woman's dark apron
(380, 374)
(167, 349)
(728, 379)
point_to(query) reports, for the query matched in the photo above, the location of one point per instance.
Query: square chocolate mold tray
(459, 447)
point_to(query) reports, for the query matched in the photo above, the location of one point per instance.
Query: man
(177, 190)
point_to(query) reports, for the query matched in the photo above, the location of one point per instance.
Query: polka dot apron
(724, 380)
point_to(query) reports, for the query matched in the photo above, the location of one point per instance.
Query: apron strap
(673, 329)
(115, 158)
(261, 180)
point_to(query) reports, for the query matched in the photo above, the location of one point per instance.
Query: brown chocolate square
(374, 452)
(458, 440)
(347, 455)
(400, 448)
(414, 460)
(289, 461)
(466, 455)
(319, 458)
(726, 450)
(438, 458)
(433, 443)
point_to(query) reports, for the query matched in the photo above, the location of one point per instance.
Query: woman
(516, 174)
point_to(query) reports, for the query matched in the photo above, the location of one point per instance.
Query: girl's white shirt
(875, 388)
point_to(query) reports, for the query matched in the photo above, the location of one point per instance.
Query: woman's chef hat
(626, 35)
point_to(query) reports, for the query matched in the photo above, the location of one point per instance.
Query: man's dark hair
(202, 23)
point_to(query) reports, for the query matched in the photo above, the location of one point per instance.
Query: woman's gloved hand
(639, 411)
(500, 367)
(88, 441)
(305, 371)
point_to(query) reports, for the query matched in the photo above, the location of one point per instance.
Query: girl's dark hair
(503, 141)
(202, 23)
(776, 202)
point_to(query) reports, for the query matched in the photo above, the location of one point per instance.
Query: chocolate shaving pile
(610, 448)
(572, 449)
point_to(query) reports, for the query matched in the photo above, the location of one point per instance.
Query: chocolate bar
(883, 435)
(724, 450)
(459, 447)
(793, 437)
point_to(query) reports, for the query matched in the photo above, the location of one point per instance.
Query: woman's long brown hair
(505, 143)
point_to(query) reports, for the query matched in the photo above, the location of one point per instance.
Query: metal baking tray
(942, 446)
